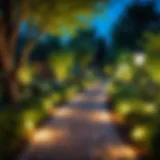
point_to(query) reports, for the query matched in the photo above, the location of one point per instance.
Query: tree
(84, 46)
(101, 54)
(137, 19)
(41, 16)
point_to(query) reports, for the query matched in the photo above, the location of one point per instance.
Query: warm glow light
(45, 136)
(100, 117)
(103, 117)
(65, 112)
(121, 151)
(139, 59)
(42, 136)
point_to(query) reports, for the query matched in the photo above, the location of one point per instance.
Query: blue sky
(112, 14)
(105, 22)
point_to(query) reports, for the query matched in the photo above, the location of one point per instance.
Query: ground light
(47, 136)
(105, 117)
(65, 112)
(121, 152)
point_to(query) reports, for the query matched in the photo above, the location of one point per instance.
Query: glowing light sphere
(124, 108)
(139, 59)
(47, 135)
(139, 133)
(43, 136)
(121, 152)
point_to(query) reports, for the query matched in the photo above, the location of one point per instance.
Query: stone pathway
(81, 130)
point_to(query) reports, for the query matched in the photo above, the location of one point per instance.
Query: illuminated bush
(62, 64)
(140, 134)
(124, 72)
(124, 108)
(25, 75)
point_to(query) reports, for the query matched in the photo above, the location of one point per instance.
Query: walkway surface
(81, 130)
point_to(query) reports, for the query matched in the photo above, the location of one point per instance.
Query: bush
(16, 125)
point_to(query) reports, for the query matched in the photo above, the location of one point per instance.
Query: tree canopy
(41, 17)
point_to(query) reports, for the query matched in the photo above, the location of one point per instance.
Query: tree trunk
(9, 27)
(11, 94)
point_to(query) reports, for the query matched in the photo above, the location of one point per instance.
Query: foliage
(53, 13)
(131, 27)
(137, 99)
(16, 126)
(83, 46)
(62, 64)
